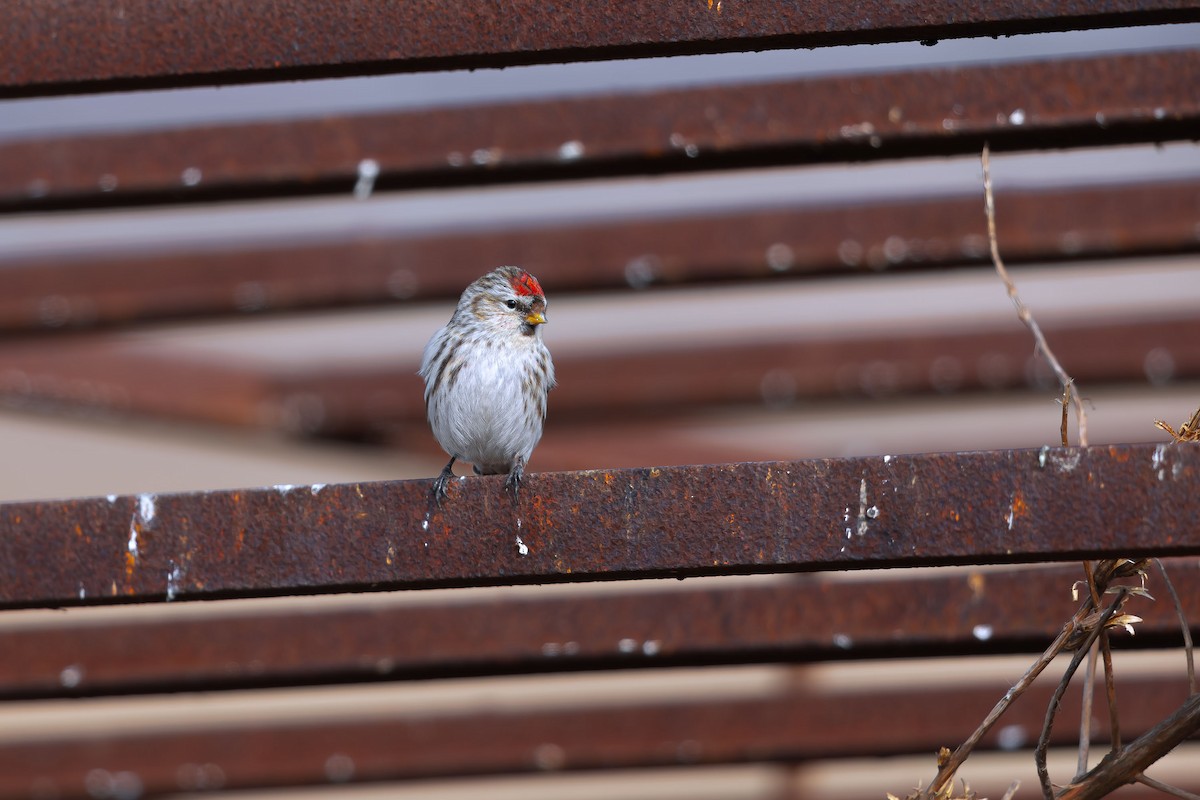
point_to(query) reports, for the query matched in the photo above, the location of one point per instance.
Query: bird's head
(508, 298)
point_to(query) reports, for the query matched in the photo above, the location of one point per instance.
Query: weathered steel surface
(73, 45)
(1114, 98)
(787, 727)
(777, 373)
(969, 508)
(115, 285)
(806, 619)
(112, 374)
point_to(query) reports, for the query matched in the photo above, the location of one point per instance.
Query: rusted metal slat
(1007, 506)
(73, 45)
(804, 620)
(789, 727)
(114, 375)
(115, 286)
(1113, 98)
(772, 373)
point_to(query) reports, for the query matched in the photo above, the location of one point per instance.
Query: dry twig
(1023, 312)
(1183, 624)
(1188, 431)
(1094, 630)
(1118, 769)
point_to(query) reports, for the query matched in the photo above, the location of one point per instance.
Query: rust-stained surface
(674, 521)
(53, 46)
(120, 285)
(378, 397)
(786, 727)
(1114, 98)
(806, 619)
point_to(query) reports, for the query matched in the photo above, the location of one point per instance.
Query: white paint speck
(71, 676)
(485, 156)
(339, 768)
(82, 591)
(112, 498)
(1017, 117)
(887, 459)
(283, 488)
(842, 641)
(873, 512)
(571, 648)
(108, 182)
(982, 632)
(1159, 457)
(1065, 462)
(425, 526)
(173, 576)
(570, 151)
(551, 649)
(627, 645)
(522, 548)
(191, 176)
(316, 488)
(650, 647)
(1045, 451)
(368, 171)
(132, 545)
(1008, 518)
(1011, 737)
(146, 508)
(455, 159)
(861, 528)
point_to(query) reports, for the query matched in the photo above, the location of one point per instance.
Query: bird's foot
(441, 481)
(515, 476)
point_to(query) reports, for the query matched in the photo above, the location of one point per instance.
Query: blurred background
(182, 313)
(700, 315)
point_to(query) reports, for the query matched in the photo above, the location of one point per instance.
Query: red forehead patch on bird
(526, 284)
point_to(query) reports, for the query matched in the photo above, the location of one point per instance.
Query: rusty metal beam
(788, 727)
(968, 508)
(113, 374)
(806, 619)
(1106, 99)
(114, 285)
(75, 46)
(777, 373)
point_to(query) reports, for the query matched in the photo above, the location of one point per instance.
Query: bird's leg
(515, 476)
(439, 483)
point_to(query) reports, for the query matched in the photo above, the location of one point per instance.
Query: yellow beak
(536, 318)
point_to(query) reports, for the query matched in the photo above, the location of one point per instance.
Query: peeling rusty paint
(634, 527)
(798, 621)
(1140, 97)
(117, 285)
(783, 727)
(55, 46)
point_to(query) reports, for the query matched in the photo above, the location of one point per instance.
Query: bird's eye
(511, 304)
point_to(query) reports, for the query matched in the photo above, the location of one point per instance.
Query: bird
(487, 373)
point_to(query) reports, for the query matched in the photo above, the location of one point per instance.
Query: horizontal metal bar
(73, 45)
(115, 285)
(110, 373)
(968, 508)
(1105, 99)
(805, 619)
(776, 373)
(788, 727)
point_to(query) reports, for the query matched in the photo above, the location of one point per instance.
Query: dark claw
(515, 477)
(440, 482)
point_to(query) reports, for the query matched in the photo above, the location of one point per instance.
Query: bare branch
(1183, 624)
(1023, 312)
(1166, 788)
(1081, 653)
(1118, 769)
